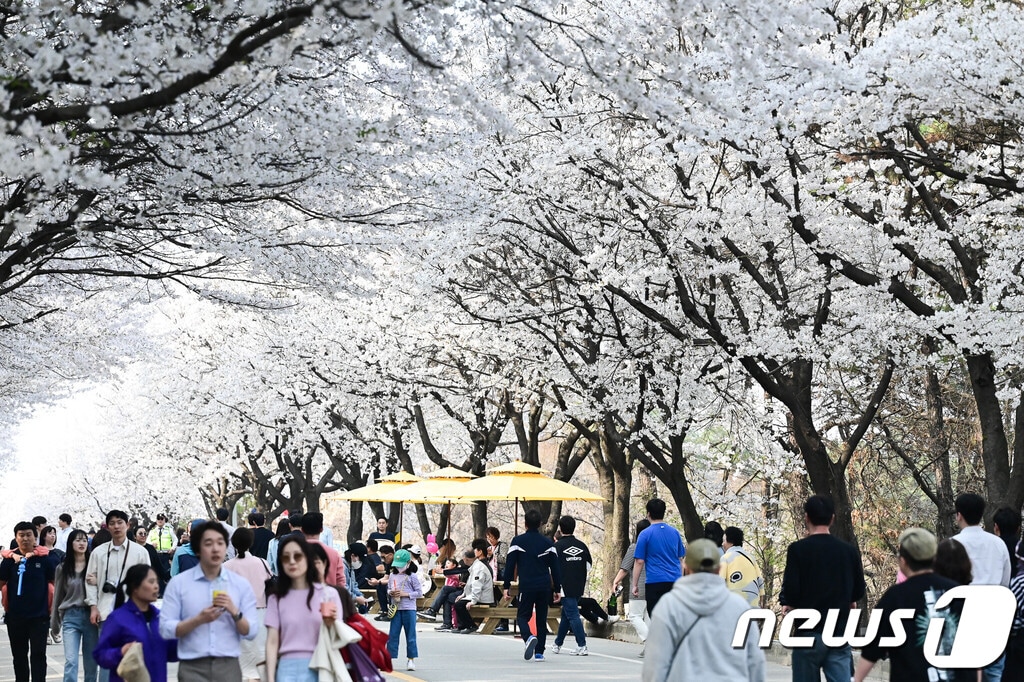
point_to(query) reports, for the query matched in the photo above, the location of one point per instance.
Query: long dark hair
(284, 581)
(67, 566)
(284, 526)
(132, 580)
(348, 605)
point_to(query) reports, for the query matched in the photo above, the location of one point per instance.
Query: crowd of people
(691, 632)
(236, 600)
(225, 611)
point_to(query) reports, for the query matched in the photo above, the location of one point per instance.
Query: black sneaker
(444, 628)
(427, 613)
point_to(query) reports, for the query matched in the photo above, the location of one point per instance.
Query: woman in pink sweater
(298, 606)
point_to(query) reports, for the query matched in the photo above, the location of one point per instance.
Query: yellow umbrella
(440, 487)
(387, 490)
(518, 481)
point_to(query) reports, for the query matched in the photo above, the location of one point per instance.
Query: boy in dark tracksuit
(573, 561)
(536, 559)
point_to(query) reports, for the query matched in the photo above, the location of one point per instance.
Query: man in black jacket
(574, 563)
(535, 559)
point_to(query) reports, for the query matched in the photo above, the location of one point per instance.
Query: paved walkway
(446, 657)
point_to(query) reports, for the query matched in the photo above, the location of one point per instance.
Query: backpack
(187, 561)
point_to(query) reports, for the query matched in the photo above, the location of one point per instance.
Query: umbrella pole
(449, 521)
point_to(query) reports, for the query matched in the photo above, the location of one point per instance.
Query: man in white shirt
(108, 566)
(63, 531)
(990, 564)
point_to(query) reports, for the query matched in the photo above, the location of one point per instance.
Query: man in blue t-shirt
(659, 549)
(27, 577)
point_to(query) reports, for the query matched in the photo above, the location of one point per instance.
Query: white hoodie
(705, 653)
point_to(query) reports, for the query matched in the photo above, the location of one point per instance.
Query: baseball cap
(415, 550)
(402, 559)
(918, 543)
(702, 555)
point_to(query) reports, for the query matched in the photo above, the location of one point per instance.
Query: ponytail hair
(132, 580)
(242, 540)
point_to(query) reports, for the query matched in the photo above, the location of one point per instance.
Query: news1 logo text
(977, 640)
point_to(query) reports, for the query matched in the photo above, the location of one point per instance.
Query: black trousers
(1013, 671)
(25, 634)
(527, 602)
(462, 612)
(591, 609)
(656, 591)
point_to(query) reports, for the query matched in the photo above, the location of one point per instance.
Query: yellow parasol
(518, 482)
(389, 489)
(440, 487)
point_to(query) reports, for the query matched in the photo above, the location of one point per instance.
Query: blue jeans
(570, 618)
(836, 663)
(295, 670)
(403, 620)
(994, 672)
(79, 635)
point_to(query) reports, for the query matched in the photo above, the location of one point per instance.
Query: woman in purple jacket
(135, 619)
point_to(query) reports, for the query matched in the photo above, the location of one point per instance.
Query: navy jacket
(536, 559)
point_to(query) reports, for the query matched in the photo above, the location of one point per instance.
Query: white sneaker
(555, 649)
(411, 665)
(582, 651)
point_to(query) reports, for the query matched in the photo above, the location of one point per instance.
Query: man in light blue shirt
(208, 610)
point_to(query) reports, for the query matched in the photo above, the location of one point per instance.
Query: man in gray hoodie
(692, 629)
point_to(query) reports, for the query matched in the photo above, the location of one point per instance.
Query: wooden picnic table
(491, 616)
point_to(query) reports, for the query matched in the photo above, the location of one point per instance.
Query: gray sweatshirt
(705, 653)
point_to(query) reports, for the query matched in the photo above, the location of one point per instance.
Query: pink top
(255, 571)
(298, 624)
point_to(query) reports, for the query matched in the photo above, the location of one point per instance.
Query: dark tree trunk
(938, 448)
(355, 522)
(994, 447)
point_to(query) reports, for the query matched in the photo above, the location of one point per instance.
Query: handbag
(374, 642)
(270, 584)
(360, 667)
(132, 667)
